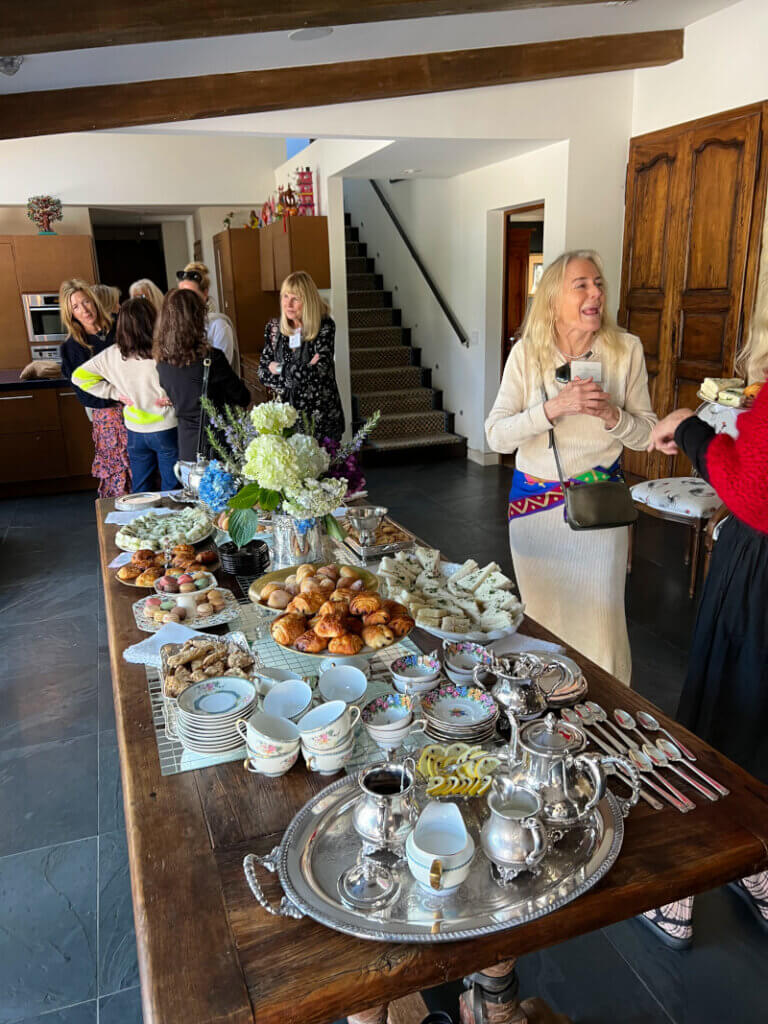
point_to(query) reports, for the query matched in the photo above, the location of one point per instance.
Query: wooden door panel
(685, 398)
(702, 339)
(14, 341)
(646, 324)
(650, 219)
(717, 175)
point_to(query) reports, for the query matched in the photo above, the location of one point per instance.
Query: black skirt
(725, 697)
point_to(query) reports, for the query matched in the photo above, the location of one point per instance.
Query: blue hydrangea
(217, 486)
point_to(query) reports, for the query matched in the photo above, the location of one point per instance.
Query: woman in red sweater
(725, 696)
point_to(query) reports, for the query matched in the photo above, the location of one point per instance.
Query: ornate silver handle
(616, 765)
(286, 908)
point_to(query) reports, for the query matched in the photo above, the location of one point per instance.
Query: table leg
(493, 999)
(376, 1015)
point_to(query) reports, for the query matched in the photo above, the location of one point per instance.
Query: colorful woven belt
(530, 494)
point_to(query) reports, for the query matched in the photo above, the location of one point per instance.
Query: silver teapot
(546, 755)
(517, 688)
(190, 474)
(385, 812)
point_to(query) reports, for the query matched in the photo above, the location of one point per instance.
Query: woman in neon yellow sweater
(127, 372)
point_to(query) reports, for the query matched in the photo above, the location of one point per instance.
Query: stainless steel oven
(45, 330)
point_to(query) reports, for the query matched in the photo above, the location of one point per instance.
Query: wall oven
(45, 330)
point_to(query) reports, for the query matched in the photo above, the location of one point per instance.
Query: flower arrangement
(280, 466)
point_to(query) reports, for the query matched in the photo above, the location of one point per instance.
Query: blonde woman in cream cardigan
(572, 582)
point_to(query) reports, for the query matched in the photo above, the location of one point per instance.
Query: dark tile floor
(67, 947)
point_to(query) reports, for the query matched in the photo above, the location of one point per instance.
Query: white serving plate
(222, 695)
(476, 636)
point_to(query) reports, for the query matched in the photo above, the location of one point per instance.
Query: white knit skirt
(572, 582)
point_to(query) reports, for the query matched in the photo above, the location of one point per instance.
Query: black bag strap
(553, 446)
(203, 394)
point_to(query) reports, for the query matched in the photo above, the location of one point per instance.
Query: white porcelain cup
(345, 682)
(274, 765)
(267, 735)
(328, 725)
(330, 761)
(269, 676)
(289, 699)
(439, 849)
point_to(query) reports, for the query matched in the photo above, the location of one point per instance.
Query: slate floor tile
(110, 787)
(65, 511)
(106, 700)
(34, 556)
(48, 933)
(48, 793)
(82, 1013)
(121, 1008)
(118, 964)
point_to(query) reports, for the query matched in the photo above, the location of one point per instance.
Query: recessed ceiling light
(308, 35)
(412, 170)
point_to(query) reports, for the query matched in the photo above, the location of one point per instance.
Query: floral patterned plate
(387, 709)
(229, 613)
(464, 705)
(225, 695)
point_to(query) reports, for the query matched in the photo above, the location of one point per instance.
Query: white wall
(724, 67)
(175, 248)
(14, 220)
(209, 221)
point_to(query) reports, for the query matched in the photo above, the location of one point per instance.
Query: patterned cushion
(683, 495)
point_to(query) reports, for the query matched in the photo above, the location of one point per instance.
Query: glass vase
(297, 541)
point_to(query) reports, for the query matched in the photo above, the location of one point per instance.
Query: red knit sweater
(738, 468)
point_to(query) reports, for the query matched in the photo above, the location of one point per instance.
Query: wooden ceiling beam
(183, 99)
(44, 26)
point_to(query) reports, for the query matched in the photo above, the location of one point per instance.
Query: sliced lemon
(422, 766)
(455, 750)
(435, 785)
(452, 784)
(485, 785)
(486, 765)
(475, 752)
(434, 750)
(467, 771)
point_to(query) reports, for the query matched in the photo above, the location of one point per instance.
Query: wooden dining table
(209, 954)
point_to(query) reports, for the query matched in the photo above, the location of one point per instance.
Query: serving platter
(365, 652)
(229, 612)
(321, 843)
(475, 635)
(370, 581)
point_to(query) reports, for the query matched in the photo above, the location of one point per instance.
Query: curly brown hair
(135, 324)
(180, 337)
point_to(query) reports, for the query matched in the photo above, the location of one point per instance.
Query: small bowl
(274, 765)
(267, 735)
(461, 656)
(345, 683)
(289, 699)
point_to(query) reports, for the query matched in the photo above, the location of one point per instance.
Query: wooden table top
(209, 953)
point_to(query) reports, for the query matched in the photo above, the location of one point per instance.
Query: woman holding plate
(575, 372)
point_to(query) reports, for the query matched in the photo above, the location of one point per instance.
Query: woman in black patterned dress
(297, 361)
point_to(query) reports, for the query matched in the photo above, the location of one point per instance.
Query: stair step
(395, 378)
(373, 317)
(366, 337)
(407, 400)
(355, 249)
(411, 424)
(364, 282)
(372, 358)
(417, 441)
(351, 234)
(360, 265)
(368, 300)
(347, 220)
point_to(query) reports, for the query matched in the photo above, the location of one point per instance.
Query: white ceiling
(438, 158)
(181, 58)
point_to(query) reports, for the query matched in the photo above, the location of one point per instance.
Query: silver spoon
(660, 760)
(674, 796)
(627, 723)
(600, 715)
(652, 725)
(574, 718)
(670, 749)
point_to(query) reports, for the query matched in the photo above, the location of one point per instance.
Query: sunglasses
(563, 373)
(189, 275)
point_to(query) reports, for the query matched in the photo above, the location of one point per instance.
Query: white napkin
(148, 651)
(518, 642)
(122, 559)
(123, 518)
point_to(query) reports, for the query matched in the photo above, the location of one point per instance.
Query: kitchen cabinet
(237, 253)
(14, 342)
(295, 243)
(44, 261)
(76, 430)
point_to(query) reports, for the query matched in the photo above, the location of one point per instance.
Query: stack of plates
(208, 712)
(459, 713)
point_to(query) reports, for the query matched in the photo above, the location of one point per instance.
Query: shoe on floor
(438, 1017)
(754, 903)
(673, 933)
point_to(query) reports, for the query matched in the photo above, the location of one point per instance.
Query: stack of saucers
(459, 713)
(208, 713)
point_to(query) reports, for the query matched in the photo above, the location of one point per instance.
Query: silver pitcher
(190, 474)
(545, 755)
(517, 688)
(513, 837)
(386, 812)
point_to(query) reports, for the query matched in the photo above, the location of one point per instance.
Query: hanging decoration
(44, 210)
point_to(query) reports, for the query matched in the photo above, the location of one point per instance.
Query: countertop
(11, 381)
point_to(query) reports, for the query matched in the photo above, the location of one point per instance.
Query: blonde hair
(204, 272)
(146, 289)
(103, 320)
(109, 297)
(301, 284)
(752, 360)
(540, 326)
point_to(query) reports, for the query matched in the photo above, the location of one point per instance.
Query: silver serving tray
(320, 843)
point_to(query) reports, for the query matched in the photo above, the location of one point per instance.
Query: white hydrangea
(271, 462)
(316, 498)
(273, 417)
(311, 460)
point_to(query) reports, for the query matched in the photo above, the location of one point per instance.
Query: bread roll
(349, 643)
(304, 571)
(143, 555)
(378, 636)
(128, 572)
(269, 588)
(287, 628)
(330, 572)
(348, 571)
(325, 584)
(330, 625)
(309, 584)
(364, 604)
(310, 643)
(279, 599)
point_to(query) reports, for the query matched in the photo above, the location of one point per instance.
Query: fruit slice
(435, 785)
(475, 752)
(434, 750)
(455, 750)
(467, 770)
(485, 785)
(486, 765)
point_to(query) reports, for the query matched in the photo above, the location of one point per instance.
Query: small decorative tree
(43, 210)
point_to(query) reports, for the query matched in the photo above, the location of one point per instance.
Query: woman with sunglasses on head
(297, 360)
(126, 371)
(181, 346)
(219, 329)
(572, 582)
(91, 330)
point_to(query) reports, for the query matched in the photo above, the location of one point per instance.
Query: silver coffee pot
(517, 688)
(190, 474)
(385, 811)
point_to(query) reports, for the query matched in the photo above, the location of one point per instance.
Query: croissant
(269, 588)
(311, 623)
(306, 604)
(378, 636)
(394, 608)
(304, 571)
(401, 624)
(310, 642)
(183, 549)
(330, 625)
(340, 607)
(353, 625)
(364, 604)
(346, 644)
(287, 628)
(377, 618)
(148, 577)
(340, 595)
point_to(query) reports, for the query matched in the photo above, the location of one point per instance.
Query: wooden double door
(694, 210)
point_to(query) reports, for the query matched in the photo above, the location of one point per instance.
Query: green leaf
(242, 526)
(269, 500)
(246, 497)
(332, 527)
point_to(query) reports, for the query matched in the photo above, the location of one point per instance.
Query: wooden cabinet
(690, 265)
(44, 261)
(77, 433)
(14, 341)
(45, 434)
(295, 243)
(241, 297)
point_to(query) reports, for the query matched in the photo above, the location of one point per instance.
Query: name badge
(585, 368)
(295, 340)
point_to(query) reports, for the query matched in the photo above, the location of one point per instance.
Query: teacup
(289, 699)
(274, 765)
(328, 725)
(361, 663)
(440, 850)
(414, 673)
(389, 719)
(331, 760)
(267, 735)
(461, 656)
(345, 683)
(269, 676)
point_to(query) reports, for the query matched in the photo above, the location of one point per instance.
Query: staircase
(387, 373)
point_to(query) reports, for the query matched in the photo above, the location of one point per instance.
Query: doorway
(129, 252)
(523, 247)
